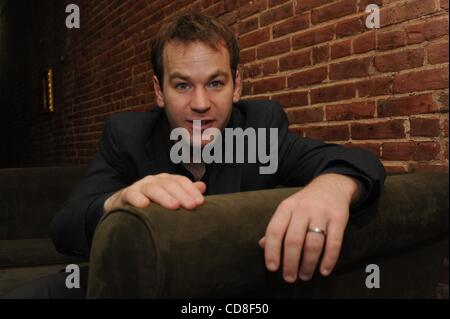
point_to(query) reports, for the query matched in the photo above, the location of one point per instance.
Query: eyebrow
(178, 75)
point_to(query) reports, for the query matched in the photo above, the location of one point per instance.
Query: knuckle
(293, 241)
(335, 243)
(314, 245)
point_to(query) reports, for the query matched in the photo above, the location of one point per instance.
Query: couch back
(30, 197)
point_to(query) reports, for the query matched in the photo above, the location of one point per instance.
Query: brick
(411, 150)
(268, 85)
(230, 5)
(296, 130)
(248, 55)
(350, 111)
(364, 43)
(273, 48)
(426, 167)
(395, 169)
(247, 88)
(421, 80)
(380, 130)
(295, 60)
(374, 148)
(292, 99)
(444, 127)
(254, 38)
(438, 53)
(410, 105)
(277, 14)
(321, 54)
(398, 151)
(328, 133)
(273, 3)
(248, 25)
(404, 11)
(375, 87)
(252, 8)
(306, 5)
(308, 77)
(333, 93)
(362, 4)
(442, 98)
(349, 27)
(291, 25)
(215, 10)
(391, 40)
(400, 60)
(425, 127)
(305, 115)
(252, 71)
(270, 67)
(426, 31)
(333, 11)
(350, 69)
(313, 37)
(341, 49)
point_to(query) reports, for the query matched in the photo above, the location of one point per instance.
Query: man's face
(198, 85)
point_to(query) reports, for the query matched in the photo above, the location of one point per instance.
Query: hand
(324, 204)
(170, 191)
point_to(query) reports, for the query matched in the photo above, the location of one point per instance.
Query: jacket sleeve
(303, 159)
(73, 226)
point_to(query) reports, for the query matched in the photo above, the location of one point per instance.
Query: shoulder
(133, 125)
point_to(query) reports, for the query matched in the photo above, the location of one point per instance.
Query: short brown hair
(190, 28)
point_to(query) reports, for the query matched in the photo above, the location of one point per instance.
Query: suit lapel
(158, 147)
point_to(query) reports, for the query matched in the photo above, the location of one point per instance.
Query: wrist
(349, 186)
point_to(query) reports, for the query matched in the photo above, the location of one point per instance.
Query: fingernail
(272, 266)
(326, 272)
(289, 278)
(304, 277)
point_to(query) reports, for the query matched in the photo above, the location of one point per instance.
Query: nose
(200, 101)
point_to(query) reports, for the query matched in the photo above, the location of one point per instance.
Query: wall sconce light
(48, 101)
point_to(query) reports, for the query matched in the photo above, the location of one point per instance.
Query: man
(195, 61)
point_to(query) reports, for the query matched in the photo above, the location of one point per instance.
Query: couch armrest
(213, 251)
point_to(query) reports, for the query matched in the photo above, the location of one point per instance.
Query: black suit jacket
(134, 145)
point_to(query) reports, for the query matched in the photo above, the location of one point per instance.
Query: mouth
(205, 123)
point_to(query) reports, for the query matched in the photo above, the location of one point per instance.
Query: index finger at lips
(274, 236)
(332, 247)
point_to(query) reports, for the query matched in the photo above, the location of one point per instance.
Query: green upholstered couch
(213, 252)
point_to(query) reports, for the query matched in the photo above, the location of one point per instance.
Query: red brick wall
(385, 90)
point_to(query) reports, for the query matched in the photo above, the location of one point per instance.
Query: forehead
(194, 58)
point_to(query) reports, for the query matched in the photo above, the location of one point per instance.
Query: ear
(158, 92)
(237, 87)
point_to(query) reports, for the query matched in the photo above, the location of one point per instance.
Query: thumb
(200, 186)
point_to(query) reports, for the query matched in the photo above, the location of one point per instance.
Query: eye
(216, 84)
(182, 86)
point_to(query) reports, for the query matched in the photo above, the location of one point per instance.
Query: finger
(293, 245)
(191, 190)
(136, 199)
(332, 247)
(159, 195)
(177, 192)
(200, 186)
(274, 236)
(314, 243)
